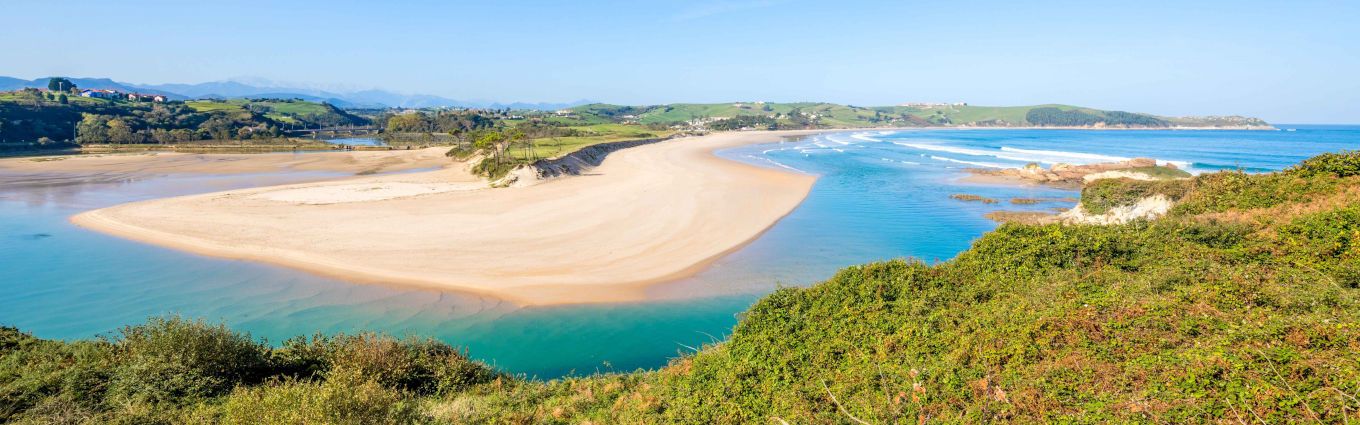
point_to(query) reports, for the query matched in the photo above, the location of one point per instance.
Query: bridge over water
(339, 131)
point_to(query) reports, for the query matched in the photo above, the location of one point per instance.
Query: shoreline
(263, 149)
(683, 208)
(166, 162)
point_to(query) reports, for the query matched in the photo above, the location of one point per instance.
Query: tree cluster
(1050, 116)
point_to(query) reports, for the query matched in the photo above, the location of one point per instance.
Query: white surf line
(1064, 154)
(777, 163)
(862, 136)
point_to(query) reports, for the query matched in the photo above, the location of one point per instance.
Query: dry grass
(1269, 217)
(1021, 217)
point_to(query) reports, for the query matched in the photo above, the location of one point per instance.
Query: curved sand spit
(647, 214)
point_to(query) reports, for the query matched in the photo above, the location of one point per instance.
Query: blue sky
(1295, 61)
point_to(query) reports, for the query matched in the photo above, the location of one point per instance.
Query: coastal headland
(645, 215)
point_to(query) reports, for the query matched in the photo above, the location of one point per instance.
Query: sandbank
(646, 215)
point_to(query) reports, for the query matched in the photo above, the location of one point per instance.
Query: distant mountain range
(237, 89)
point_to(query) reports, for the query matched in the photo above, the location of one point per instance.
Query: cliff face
(589, 157)
(1069, 175)
(1146, 208)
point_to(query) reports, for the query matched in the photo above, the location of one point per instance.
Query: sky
(1284, 61)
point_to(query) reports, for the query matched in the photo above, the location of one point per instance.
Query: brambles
(1340, 164)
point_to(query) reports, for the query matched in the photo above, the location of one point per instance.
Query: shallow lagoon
(881, 195)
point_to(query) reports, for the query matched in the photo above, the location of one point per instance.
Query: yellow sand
(648, 214)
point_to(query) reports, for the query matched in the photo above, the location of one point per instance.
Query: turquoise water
(356, 141)
(880, 195)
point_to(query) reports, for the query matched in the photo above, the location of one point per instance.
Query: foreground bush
(175, 370)
(346, 397)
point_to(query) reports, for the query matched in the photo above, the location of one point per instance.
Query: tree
(59, 84)
(162, 136)
(62, 99)
(92, 129)
(181, 135)
(120, 132)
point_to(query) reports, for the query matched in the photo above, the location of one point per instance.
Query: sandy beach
(646, 215)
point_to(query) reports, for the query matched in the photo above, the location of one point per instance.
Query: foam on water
(967, 151)
(862, 136)
(1062, 156)
(775, 163)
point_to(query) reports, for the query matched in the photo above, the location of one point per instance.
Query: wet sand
(646, 215)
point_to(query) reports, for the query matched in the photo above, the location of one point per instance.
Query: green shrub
(51, 373)
(415, 365)
(493, 169)
(1214, 234)
(12, 339)
(172, 359)
(1236, 190)
(1333, 233)
(1340, 164)
(347, 397)
(1161, 172)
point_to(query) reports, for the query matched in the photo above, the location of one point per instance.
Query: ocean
(880, 195)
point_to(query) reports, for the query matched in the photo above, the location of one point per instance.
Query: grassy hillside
(829, 115)
(31, 116)
(1240, 306)
(285, 111)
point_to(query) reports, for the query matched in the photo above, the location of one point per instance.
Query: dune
(646, 215)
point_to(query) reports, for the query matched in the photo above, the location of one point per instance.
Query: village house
(99, 93)
(139, 97)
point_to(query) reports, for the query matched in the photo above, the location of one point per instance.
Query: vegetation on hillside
(1239, 306)
(805, 115)
(503, 139)
(1057, 117)
(62, 117)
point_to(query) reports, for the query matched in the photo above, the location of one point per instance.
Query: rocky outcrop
(1147, 208)
(1076, 175)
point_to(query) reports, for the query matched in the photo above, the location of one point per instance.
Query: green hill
(284, 111)
(1242, 305)
(829, 115)
(31, 115)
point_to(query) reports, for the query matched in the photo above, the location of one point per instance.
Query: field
(554, 147)
(1013, 115)
(19, 97)
(282, 111)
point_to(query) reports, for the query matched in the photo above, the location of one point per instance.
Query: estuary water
(880, 195)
